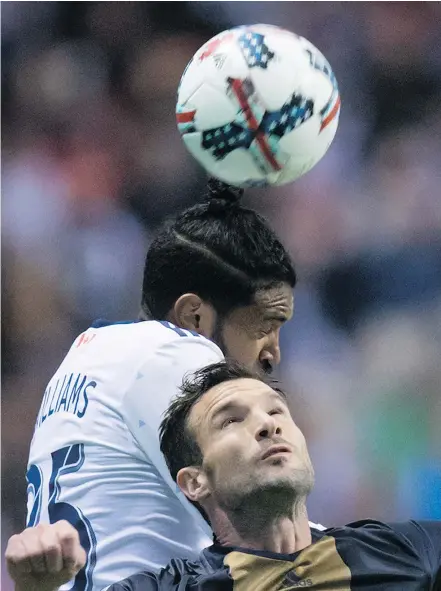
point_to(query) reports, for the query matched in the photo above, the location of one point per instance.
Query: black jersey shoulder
(362, 555)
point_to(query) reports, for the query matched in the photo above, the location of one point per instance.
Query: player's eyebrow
(279, 396)
(228, 406)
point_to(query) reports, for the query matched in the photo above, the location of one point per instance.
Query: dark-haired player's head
(219, 269)
(216, 436)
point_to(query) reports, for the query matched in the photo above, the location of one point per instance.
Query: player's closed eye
(230, 421)
(265, 331)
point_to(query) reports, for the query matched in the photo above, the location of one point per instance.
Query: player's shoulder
(179, 343)
(386, 547)
(142, 335)
(161, 330)
(359, 528)
(371, 532)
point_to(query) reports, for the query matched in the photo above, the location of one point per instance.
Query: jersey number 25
(64, 461)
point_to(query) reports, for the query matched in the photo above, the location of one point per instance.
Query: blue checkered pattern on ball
(254, 50)
(291, 115)
(223, 140)
(220, 141)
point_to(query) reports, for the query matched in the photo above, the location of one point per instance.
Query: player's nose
(270, 357)
(267, 427)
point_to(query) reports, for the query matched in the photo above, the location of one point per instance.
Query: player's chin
(284, 469)
(273, 483)
(287, 480)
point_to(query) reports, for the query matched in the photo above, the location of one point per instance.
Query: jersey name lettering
(67, 393)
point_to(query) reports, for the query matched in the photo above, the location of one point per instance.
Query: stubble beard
(254, 508)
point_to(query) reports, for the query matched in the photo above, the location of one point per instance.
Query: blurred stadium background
(92, 163)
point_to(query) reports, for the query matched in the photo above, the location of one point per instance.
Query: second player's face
(250, 443)
(250, 335)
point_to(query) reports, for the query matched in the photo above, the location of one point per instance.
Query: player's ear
(194, 483)
(193, 313)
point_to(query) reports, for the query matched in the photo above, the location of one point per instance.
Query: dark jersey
(366, 555)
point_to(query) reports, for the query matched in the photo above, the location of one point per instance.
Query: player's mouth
(275, 450)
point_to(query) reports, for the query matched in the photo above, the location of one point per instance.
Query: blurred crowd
(92, 163)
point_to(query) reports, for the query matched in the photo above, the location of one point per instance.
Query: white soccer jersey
(95, 459)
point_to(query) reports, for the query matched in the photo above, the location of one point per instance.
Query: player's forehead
(275, 302)
(243, 391)
(271, 307)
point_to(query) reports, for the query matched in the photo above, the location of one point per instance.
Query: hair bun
(222, 196)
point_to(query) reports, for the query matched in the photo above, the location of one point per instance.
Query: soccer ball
(258, 105)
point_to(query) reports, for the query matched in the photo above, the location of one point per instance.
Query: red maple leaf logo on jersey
(85, 338)
(213, 45)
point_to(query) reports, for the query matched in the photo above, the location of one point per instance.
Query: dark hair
(218, 249)
(178, 443)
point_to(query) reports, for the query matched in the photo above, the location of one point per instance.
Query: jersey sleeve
(425, 538)
(156, 383)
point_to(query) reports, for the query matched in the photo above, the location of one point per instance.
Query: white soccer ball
(258, 105)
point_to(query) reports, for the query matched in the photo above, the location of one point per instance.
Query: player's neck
(280, 533)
